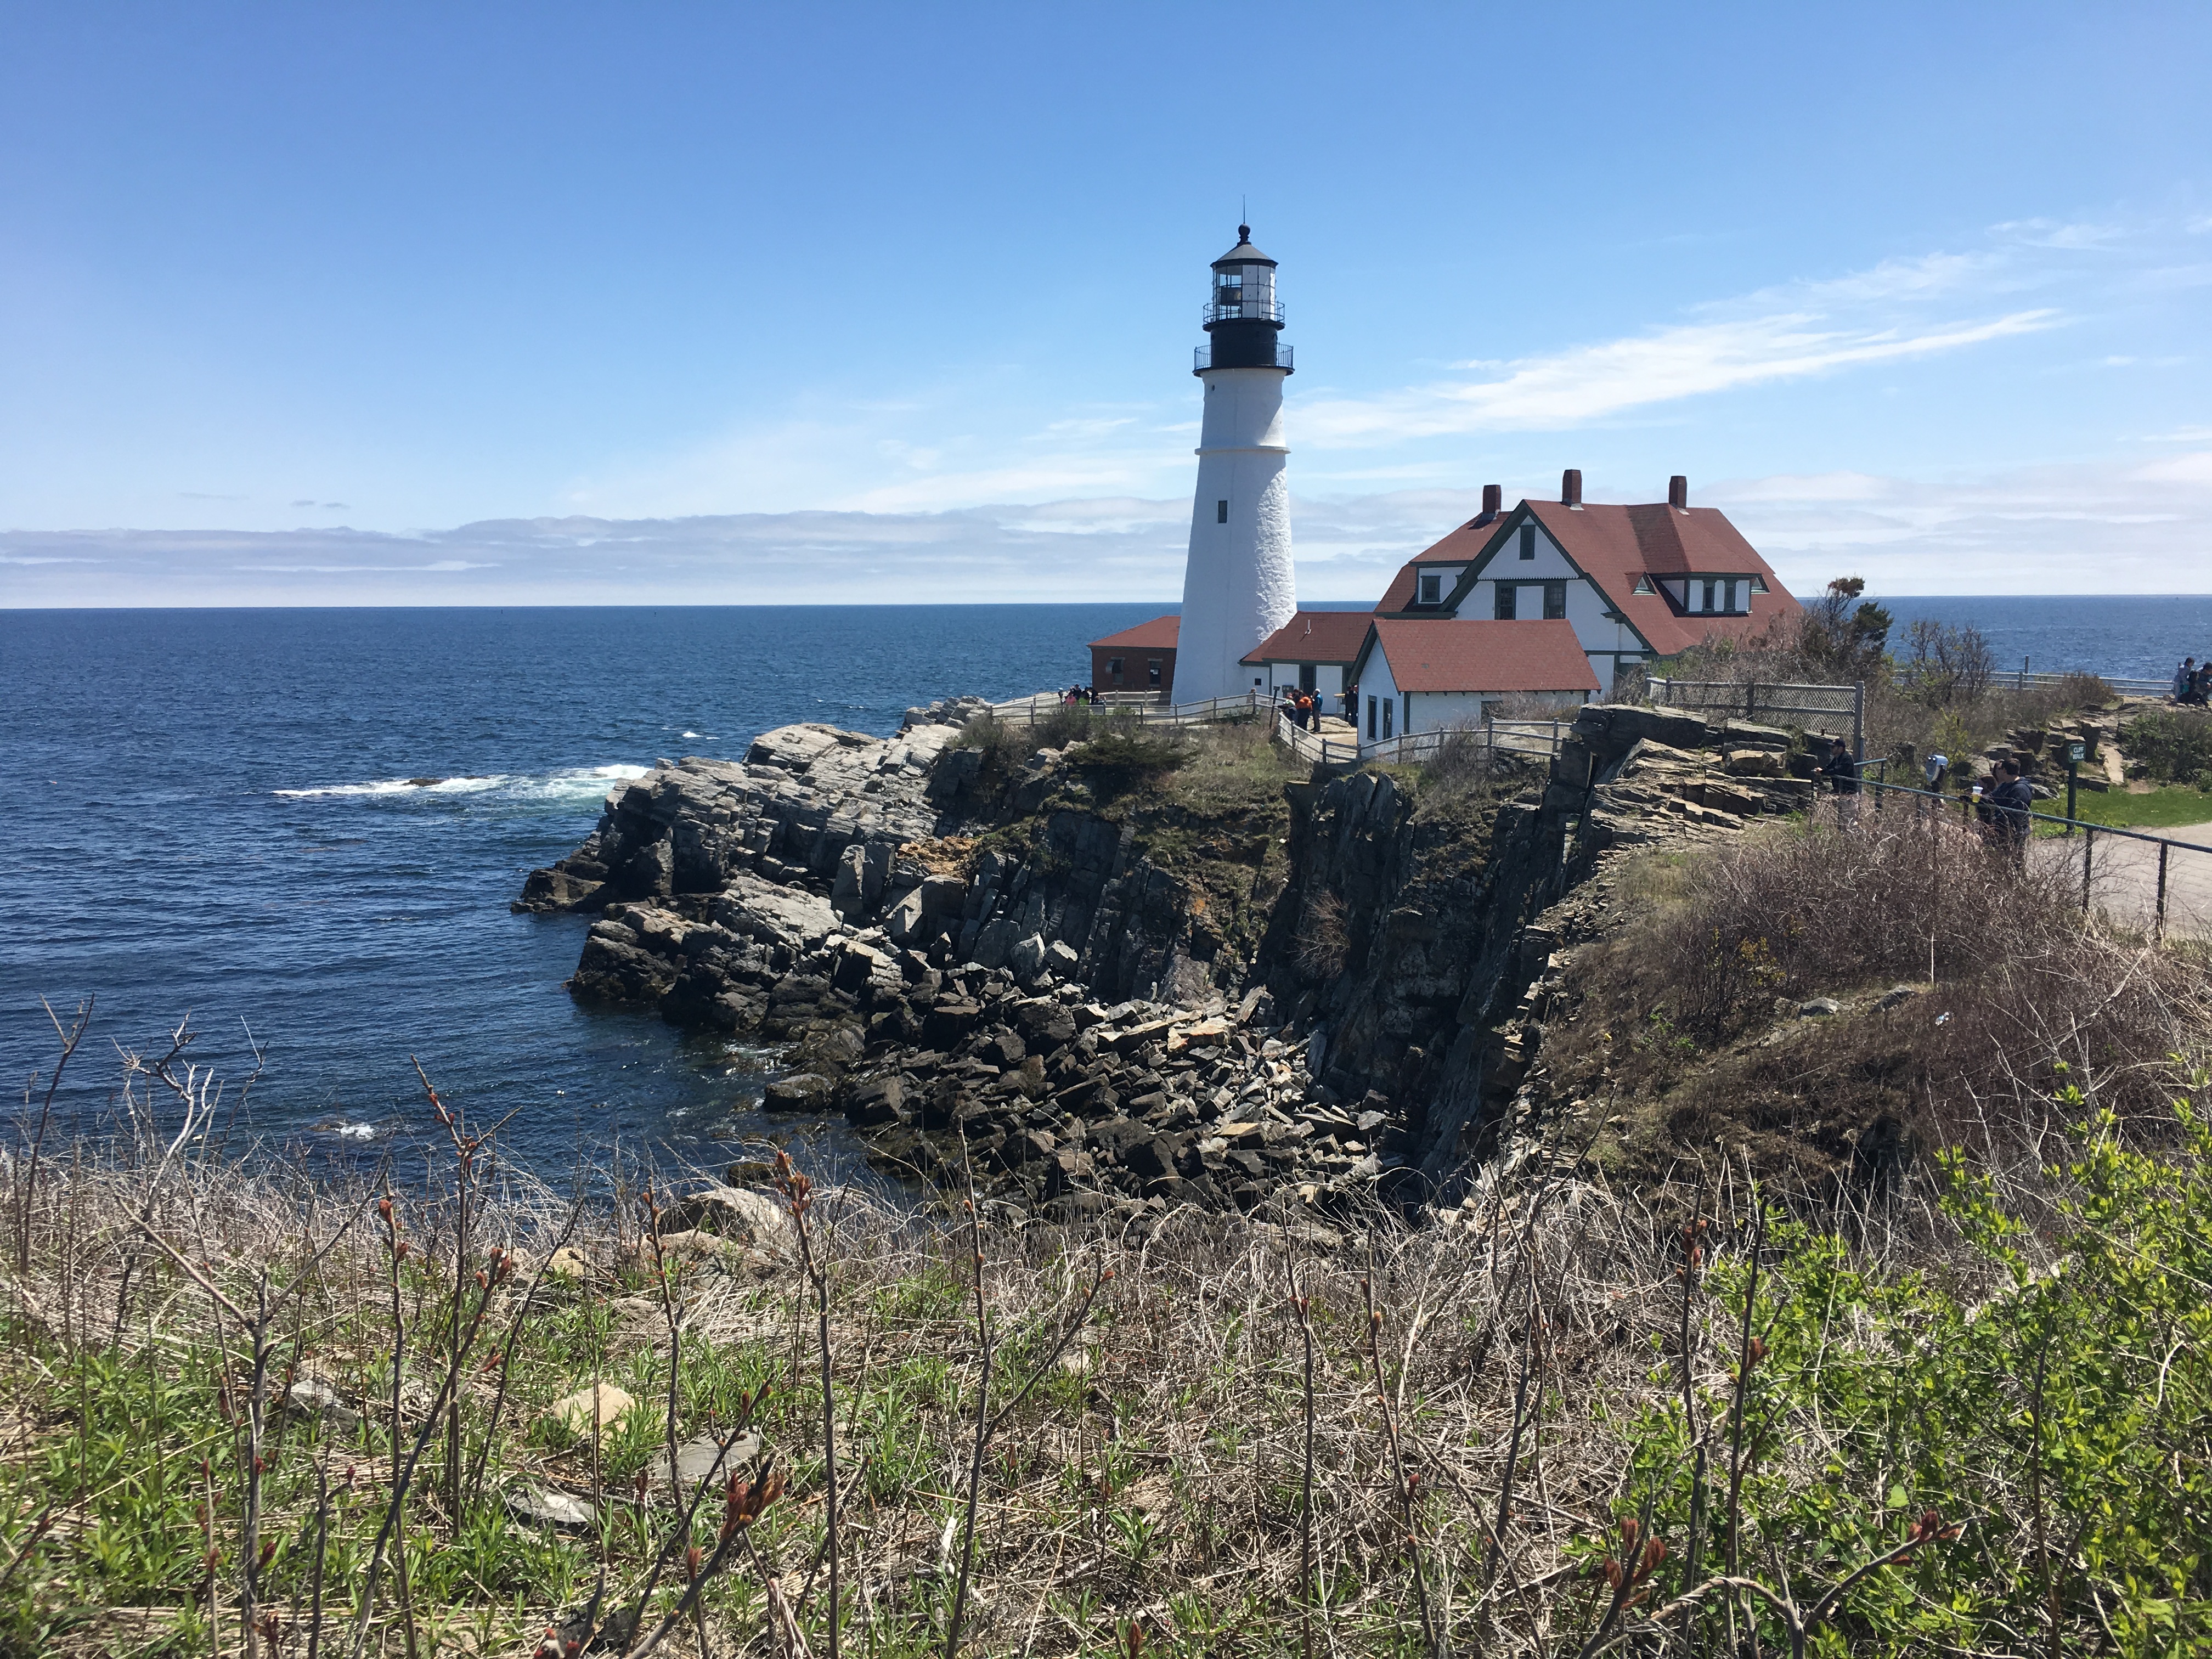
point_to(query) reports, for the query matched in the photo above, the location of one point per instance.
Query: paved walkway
(2124, 876)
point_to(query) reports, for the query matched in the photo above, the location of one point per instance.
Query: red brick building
(1139, 659)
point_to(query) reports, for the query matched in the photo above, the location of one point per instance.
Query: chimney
(1678, 493)
(1571, 487)
(1493, 502)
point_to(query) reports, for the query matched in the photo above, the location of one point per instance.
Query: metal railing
(1968, 805)
(2021, 680)
(1834, 709)
(1229, 310)
(1279, 356)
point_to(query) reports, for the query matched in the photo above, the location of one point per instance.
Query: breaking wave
(577, 784)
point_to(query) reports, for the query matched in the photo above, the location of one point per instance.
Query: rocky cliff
(1256, 990)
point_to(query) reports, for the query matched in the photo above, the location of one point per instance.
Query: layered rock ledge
(980, 963)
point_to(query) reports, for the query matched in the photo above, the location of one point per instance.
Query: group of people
(2001, 809)
(2192, 682)
(1077, 695)
(1302, 709)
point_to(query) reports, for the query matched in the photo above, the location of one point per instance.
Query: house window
(1643, 585)
(1708, 596)
(1728, 598)
(1506, 591)
(1152, 672)
(1389, 707)
(1757, 585)
(1370, 719)
(1113, 669)
(1527, 541)
(1432, 588)
(1555, 601)
(1221, 512)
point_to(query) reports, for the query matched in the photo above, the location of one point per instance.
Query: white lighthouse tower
(1237, 585)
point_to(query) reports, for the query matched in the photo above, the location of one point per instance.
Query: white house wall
(1608, 643)
(1379, 683)
(1440, 711)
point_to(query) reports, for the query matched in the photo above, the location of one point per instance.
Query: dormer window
(1644, 586)
(1527, 541)
(1432, 588)
(1758, 585)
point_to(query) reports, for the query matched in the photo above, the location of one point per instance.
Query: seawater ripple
(223, 815)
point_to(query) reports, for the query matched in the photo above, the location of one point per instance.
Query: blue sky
(414, 304)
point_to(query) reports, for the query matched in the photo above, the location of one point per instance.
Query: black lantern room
(1243, 317)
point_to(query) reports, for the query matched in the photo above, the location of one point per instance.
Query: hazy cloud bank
(2141, 527)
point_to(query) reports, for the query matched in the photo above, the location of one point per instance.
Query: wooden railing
(1318, 747)
(1536, 739)
(1041, 706)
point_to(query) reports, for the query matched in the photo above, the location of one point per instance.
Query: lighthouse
(1237, 584)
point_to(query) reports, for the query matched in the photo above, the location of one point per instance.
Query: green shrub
(2172, 745)
(2056, 1414)
(1127, 747)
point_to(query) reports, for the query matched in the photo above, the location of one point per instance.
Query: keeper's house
(1431, 674)
(1314, 651)
(1634, 583)
(1139, 659)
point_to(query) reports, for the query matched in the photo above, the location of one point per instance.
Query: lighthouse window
(1221, 512)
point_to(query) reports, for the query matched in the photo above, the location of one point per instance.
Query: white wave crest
(578, 784)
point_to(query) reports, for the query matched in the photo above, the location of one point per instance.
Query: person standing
(2184, 679)
(2009, 804)
(1843, 774)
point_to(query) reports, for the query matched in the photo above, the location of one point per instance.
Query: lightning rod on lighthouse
(1238, 585)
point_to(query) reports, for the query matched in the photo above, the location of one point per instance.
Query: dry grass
(2012, 991)
(1170, 1469)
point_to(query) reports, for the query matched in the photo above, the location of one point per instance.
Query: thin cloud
(1586, 383)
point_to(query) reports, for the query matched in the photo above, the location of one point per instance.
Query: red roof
(1617, 546)
(1444, 654)
(1314, 636)
(1455, 549)
(1158, 635)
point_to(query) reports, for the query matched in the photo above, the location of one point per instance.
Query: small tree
(1841, 634)
(1946, 665)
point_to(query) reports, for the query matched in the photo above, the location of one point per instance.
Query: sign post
(2073, 775)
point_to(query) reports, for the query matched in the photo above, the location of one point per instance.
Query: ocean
(213, 818)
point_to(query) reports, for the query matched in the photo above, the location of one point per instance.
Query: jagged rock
(699, 1460)
(1025, 961)
(735, 1212)
(1753, 763)
(876, 1102)
(549, 1506)
(1896, 996)
(1819, 1008)
(803, 1091)
(312, 1396)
